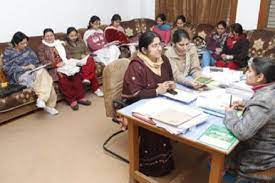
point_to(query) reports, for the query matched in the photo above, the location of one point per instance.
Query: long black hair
(236, 27)
(69, 30)
(179, 35)
(45, 31)
(92, 20)
(180, 17)
(146, 39)
(115, 17)
(18, 37)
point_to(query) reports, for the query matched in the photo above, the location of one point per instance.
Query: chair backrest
(113, 75)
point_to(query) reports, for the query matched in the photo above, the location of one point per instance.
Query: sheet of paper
(182, 96)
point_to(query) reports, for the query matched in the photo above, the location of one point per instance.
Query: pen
(230, 103)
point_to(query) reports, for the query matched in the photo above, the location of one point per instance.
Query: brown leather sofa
(23, 102)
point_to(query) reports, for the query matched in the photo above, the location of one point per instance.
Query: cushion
(261, 42)
(17, 99)
(3, 78)
(6, 91)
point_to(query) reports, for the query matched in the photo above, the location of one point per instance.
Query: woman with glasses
(95, 41)
(184, 60)
(148, 75)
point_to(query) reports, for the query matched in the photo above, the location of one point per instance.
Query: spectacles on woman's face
(156, 45)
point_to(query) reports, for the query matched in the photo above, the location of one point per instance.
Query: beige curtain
(195, 11)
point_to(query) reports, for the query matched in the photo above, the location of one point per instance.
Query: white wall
(247, 13)
(32, 16)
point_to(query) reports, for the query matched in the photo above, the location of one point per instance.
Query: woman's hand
(60, 64)
(162, 88)
(238, 105)
(171, 84)
(223, 56)
(29, 67)
(197, 86)
(218, 51)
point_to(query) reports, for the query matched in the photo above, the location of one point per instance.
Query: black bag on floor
(10, 89)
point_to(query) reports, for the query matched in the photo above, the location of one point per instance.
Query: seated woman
(255, 128)
(52, 52)
(18, 62)
(77, 49)
(184, 60)
(235, 51)
(179, 24)
(147, 76)
(95, 41)
(215, 45)
(162, 28)
(115, 32)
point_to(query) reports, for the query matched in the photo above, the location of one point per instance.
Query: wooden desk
(218, 155)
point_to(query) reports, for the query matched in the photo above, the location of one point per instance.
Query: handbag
(10, 89)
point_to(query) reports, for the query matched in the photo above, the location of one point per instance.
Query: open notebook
(182, 96)
(167, 112)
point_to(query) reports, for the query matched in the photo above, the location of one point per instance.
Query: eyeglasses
(157, 45)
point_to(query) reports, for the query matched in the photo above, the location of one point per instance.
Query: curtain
(195, 11)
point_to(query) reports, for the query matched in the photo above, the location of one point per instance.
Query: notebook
(203, 80)
(174, 117)
(167, 111)
(182, 96)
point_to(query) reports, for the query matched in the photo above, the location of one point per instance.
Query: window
(267, 15)
(271, 15)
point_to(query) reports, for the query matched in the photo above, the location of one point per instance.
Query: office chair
(113, 75)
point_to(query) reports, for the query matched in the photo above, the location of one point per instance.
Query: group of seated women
(223, 49)
(152, 73)
(70, 63)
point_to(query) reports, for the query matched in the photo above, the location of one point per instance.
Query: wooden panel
(233, 11)
(263, 14)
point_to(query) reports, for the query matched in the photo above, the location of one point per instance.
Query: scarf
(231, 41)
(163, 27)
(59, 47)
(155, 67)
(260, 86)
(70, 67)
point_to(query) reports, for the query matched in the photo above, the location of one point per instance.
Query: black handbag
(10, 89)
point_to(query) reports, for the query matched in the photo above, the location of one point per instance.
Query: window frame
(263, 15)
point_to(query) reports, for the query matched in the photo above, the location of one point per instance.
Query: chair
(112, 86)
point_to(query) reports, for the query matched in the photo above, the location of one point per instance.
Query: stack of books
(174, 117)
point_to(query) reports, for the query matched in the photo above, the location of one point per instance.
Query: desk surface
(191, 135)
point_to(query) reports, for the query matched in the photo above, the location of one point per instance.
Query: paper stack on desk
(240, 89)
(182, 96)
(215, 101)
(172, 116)
(224, 77)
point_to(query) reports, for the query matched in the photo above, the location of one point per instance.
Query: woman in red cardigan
(235, 51)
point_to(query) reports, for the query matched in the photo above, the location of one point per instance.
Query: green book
(203, 80)
(218, 136)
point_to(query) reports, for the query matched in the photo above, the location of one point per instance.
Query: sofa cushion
(204, 30)
(3, 78)
(17, 99)
(262, 43)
